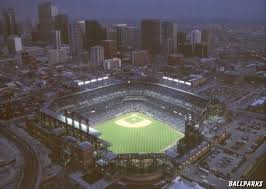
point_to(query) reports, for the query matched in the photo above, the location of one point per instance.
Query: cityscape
(151, 94)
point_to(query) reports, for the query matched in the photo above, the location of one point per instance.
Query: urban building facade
(47, 12)
(97, 55)
(151, 36)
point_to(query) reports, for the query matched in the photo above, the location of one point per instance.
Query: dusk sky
(251, 10)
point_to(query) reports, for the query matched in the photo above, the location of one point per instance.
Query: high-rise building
(181, 37)
(14, 44)
(119, 34)
(56, 39)
(131, 37)
(9, 22)
(110, 48)
(205, 36)
(201, 50)
(111, 33)
(61, 24)
(97, 55)
(195, 37)
(94, 33)
(169, 37)
(151, 36)
(169, 46)
(77, 35)
(47, 12)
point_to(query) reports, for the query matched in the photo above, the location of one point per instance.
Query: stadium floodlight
(80, 83)
(175, 112)
(165, 77)
(93, 80)
(188, 83)
(69, 120)
(183, 82)
(87, 82)
(93, 111)
(100, 79)
(105, 77)
(170, 79)
(176, 80)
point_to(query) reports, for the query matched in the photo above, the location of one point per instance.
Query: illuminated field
(137, 133)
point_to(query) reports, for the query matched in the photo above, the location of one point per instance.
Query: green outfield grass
(138, 132)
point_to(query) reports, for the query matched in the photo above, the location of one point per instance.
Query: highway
(29, 176)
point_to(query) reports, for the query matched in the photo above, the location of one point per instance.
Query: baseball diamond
(138, 133)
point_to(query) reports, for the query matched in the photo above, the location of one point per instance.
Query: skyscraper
(14, 44)
(111, 33)
(169, 37)
(97, 55)
(195, 37)
(61, 24)
(77, 34)
(181, 37)
(9, 22)
(110, 48)
(205, 36)
(56, 39)
(47, 12)
(131, 37)
(94, 33)
(119, 32)
(151, 36)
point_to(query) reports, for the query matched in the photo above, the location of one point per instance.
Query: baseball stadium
(136, 128)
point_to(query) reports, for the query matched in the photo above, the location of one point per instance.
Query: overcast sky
(135, 9)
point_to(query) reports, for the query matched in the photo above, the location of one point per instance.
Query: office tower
(111, 33)
(181, 37)
(110, 48)
(119, 34)
(56, 39)
(131, 37)
(9, 22)
(77, 34)
(151, 36)
(169, 46)
(47, 12)
(201, 50)
(97, 55)
(94, 33)
(61, 24)
(195, 37)
(169, 37)
(186, 49)
(205, 36)
(14, 44)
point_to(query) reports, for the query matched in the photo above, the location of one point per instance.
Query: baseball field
(138, 133)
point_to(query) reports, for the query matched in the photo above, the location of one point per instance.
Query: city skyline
(132, 94)
(238, 10)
